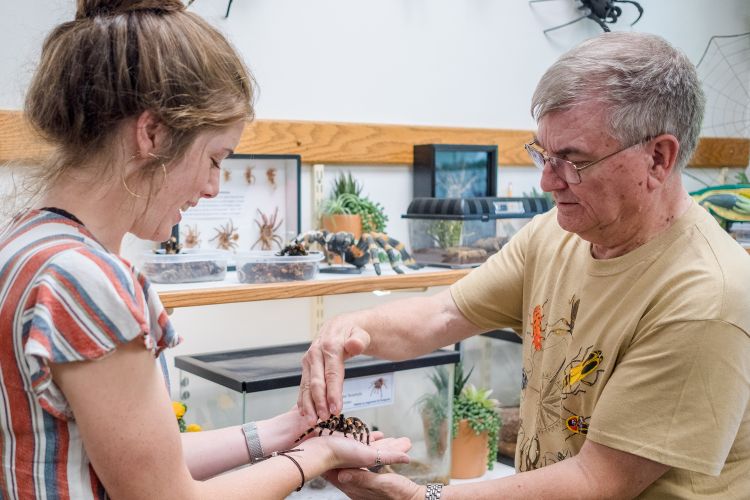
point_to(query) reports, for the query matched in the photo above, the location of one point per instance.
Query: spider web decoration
(724, 70)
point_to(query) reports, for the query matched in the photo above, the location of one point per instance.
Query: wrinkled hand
(347, 452)
(363, 484)
(323, 367)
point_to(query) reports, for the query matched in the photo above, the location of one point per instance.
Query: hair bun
(94, 8)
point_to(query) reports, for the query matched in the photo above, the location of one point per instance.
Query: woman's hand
(345, 452)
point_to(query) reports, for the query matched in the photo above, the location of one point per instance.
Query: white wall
(470, 63)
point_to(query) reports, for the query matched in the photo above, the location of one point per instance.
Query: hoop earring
(125, 185)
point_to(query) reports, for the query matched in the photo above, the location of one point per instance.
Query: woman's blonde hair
(119, 58)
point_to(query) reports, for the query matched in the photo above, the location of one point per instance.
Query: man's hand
(323, 367)
(368, 485)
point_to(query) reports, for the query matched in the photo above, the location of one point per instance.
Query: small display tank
(465, 232)
(497, 362)
(232, 387)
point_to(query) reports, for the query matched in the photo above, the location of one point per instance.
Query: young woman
(143, 101)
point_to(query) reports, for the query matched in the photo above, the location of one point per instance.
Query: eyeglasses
(567, 170)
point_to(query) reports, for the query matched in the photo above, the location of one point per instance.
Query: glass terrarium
(497, 362)
(465, 232)
(397, 398)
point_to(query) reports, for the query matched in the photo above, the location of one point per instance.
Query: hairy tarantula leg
(368, 242)
(406, 257)
(394, 257)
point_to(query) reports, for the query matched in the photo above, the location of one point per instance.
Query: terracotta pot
(343, 222)
(435, 449)
(335, 223)
(468, 453)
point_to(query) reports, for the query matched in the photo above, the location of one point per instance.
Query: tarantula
(271, 176)
(338, 423)
(602, 12)
(375, 247)
(226, 236)
(171, 246)
(268, 228)
(249, 176)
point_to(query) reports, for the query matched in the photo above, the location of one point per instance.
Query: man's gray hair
(650, 88)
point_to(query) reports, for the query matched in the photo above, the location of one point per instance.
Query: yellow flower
(179, 409)
(193, 428)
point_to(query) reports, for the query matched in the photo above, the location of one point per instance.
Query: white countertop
(332, 493)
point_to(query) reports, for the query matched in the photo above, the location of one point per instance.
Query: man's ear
(150, 134)
(663, 149)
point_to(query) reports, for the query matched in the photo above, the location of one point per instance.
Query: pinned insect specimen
(268, 226)
(338, 423)
(226, 236)
(249, 176)
(271, 176)
(192, 237)
(227, 174)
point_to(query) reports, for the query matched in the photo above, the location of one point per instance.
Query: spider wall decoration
(602, 12)
(226, 236)
(268, 226)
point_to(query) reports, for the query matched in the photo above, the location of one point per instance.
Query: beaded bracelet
(433, 491)
(284, 454)
(250, 430)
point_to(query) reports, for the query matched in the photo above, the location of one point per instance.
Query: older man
(631, 300)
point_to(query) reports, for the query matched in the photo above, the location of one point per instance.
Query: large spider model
(371, 247)
(340, 423)
(602, 12)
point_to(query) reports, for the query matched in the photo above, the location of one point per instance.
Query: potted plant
(346, 206)
(433, 408)
(476, 426)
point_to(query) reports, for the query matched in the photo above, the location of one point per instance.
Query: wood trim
(356, 143)
(296, 289)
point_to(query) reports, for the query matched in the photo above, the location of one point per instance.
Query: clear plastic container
(267, 267)
(184, 267)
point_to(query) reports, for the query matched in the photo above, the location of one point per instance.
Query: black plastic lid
(254, 370)
(476, 208)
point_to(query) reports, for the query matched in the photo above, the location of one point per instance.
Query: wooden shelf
(361, 143)
(229, 291)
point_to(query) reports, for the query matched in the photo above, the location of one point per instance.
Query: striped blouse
(63, 298)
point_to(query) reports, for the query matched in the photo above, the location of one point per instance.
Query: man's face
(608, 206)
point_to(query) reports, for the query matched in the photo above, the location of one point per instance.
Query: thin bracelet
(433, 491)
(284, 454)
(250, 430)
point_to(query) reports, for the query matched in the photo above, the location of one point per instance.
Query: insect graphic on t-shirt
(580, 368)
(564, 326)
(529, 454)
(538, 326)
(576, 424)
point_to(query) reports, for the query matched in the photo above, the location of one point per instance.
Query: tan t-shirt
(648, 353)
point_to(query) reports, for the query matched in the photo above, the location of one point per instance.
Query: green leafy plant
(446, 233)
(434, 408)
(346, 198)
(476, 406)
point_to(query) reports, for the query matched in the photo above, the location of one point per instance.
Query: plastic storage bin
(267, 267)
(185, 267)
(464, 232)
(228, 388)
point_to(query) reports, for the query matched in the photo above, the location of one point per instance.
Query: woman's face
(188, 180)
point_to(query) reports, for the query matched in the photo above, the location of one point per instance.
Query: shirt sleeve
(491, 296)
(82, 306)
(678, 395)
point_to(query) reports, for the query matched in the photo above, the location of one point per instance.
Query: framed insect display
(257, 208)
(454, 171)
